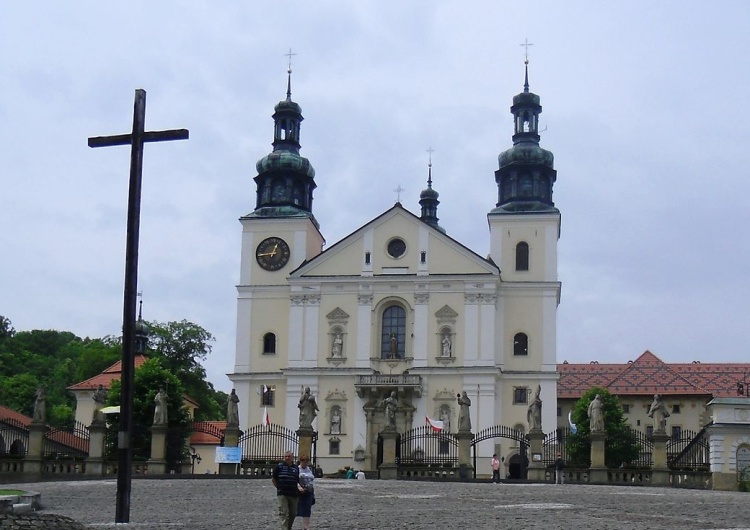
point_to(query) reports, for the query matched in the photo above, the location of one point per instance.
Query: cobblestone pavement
(213, 502)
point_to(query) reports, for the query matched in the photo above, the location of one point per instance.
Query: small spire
(430, 150)
(140, 305)
(525, 45)
(289, 75)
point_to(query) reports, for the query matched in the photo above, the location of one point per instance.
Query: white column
(296, 323)
(487, 329)
(243, 346)
(364, 326)
(359, 436)
(310, 346)
(471, 337)
(420, 353)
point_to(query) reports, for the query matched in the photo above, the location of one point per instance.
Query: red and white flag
(266, 418)
(437, 425)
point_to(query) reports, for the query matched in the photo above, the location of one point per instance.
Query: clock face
(272, 253)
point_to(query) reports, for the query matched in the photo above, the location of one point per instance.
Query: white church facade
(398, 305)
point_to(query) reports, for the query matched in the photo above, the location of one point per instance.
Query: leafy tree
(6, 328)
(17, 392)
(619, 446)
(147, 380)
(181, 346)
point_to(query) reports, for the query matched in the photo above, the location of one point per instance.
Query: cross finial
(289, 56)
(430, 150)
(526, 45)
(398, 191)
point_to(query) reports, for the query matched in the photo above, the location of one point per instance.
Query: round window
(396, 248)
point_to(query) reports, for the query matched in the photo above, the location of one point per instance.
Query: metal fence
(266, 444)
(66, 440)
(14, 438)
(423, 446)
(560, 441)
(689, 451)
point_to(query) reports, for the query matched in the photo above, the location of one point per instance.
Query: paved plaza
(217, 503)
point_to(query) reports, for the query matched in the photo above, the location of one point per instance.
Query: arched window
(522, 256)
(393, 338)
(269, 344)
(520, 344)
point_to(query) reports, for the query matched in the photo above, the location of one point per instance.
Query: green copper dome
(285, 161)
(526, 154)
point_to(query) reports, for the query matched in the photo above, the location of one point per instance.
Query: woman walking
(307, 495)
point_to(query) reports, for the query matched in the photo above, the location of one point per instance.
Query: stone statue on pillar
(596, 415)
(464, 417)
(160, 407)
(390, 405)
(658, 411)
(40, 405)
(308, 409)
(534, 412)
(100, 400)
(233, 413)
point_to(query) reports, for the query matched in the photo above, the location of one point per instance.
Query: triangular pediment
(338, 315)
(368, 251)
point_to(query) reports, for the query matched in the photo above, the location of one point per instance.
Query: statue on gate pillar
(658, 411)
(464, 418)
(390, 404)
(308, 409)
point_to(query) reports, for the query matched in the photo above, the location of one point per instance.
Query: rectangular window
(423, 257)
(520, 395)
(334, 447)
(559, 411)
(367, 258)
(626, 409)
(649, 430)
(675, 409)
(267, 395)
(676, 432)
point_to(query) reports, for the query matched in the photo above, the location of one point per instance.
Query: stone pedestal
(232, 435)
(536, 471)
(157, 464)
(659, 471)
(464, 454)
(33, 461)
(598, 471)
(305, 435)
(95, 460)
(389, 469)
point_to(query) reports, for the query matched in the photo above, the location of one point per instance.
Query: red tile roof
(61, 437)
(212, 437)
(649, 375)
(107, 376)
(5, 412)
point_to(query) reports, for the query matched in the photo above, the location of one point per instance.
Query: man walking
(559, 466)
(495, 469)
(286, 480)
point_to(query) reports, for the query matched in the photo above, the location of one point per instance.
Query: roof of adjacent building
(107, 376)
(207, 432)
(649, 375)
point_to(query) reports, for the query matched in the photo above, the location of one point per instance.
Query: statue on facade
(393, 349)
(464, 418)
(308, 409)
(447, 346)
(596, 414)
(335, 421)
(233, 412)
(390, 404)
(534, 412)
(445, 417)
(100, 400)
(658, 411)
(338, 346)
(40, 405)
(160, 408)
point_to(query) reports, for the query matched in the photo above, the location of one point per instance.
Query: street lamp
(194, 455)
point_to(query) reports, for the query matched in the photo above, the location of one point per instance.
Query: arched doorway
(517, 465)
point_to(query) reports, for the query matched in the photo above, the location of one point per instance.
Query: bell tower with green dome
(524, 231)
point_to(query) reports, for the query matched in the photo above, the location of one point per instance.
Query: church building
(398, 305)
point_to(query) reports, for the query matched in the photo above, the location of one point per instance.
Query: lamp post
(194, 455)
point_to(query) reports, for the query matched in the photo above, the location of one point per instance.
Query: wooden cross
(526, 45)
(135, 139)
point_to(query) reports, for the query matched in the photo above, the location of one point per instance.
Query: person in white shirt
(360, 475)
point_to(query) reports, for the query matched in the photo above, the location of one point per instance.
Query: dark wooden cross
(135, 139)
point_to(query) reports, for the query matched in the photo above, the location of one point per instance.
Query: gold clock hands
(272, 253)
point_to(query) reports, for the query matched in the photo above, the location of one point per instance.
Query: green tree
(17, 392)
(619, 446)
(147, 380)
(6, 328)
(181, 346)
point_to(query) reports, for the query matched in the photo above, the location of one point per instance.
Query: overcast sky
(646, 109)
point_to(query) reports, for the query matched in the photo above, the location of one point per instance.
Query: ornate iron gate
(263, 446)
(518, 468)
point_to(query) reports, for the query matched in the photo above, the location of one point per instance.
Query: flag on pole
(266, 418)
(573, 427)
(437, 425)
